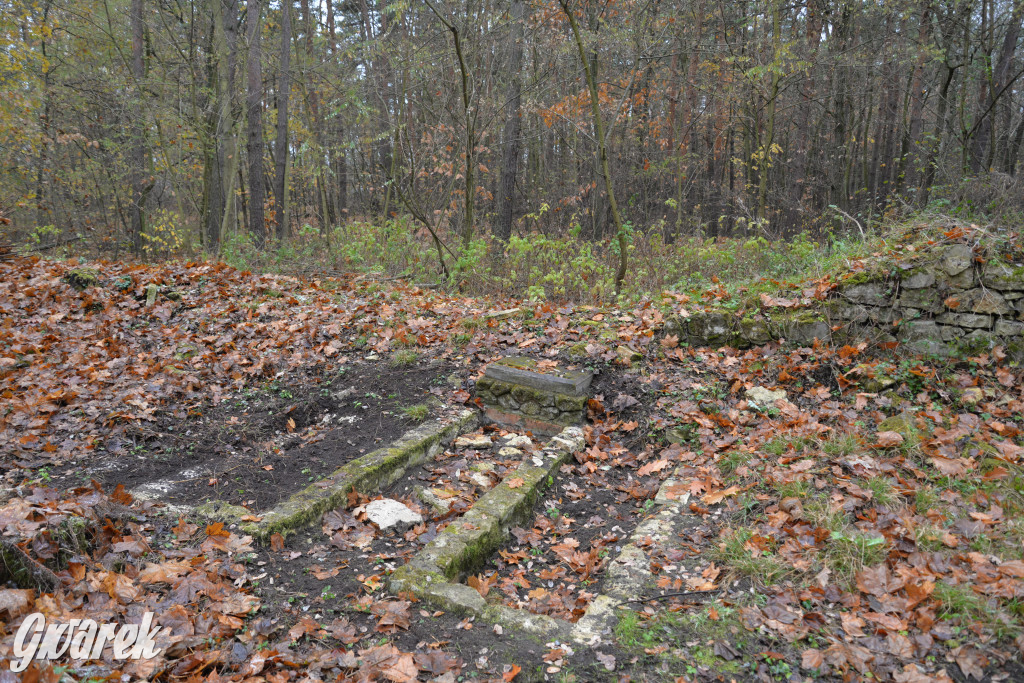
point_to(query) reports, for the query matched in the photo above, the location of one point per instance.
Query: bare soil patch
(268, 442)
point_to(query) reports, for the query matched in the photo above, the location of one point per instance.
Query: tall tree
(469, 114)
(254, 118)
(281, 152)
(513, 126)
(994, 85)
(602, 143)
(137, 153)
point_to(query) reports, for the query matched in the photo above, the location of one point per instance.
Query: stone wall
(951, 299)
(547, 406)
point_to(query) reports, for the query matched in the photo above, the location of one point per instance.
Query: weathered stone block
(950, 333)
(527, 372)
(956, 259)
(919, 278)
(969, 320)
(922, 299)
(964, 280)
(883, 315)
(711, 329)
(981, 300)
(570, 403)
(930, 347)
(977, 341)
(1008, 328)
(871, 293)
(496, 388)
(1003, 276)
(856, 313)
(915, 330)
(754, 331)
(537, 425)
(804, 327)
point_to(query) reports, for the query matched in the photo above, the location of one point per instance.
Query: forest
(449, 131)
(577, 341)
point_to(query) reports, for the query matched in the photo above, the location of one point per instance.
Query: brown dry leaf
(652, 467)
(482, 584)
(165, 572)
(402, 669)
(185, 529)
(394, 615)
(15, 602)
(812, 659)
(878, 581)
(277, 543)
(323, 574)
(971, 661)
(889, 439)
(305, 626)
(217, 529)
(713, 497)
(515, 482)
(121, 588)
(238, 604)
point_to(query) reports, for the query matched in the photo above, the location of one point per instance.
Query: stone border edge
(364, 474)
(432, 575)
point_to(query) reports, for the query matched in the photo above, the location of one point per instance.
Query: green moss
(82, 278)
(368, 473)
(222, 511)
(876, 272)
(417, 412)
(578, 351)
(404, 358)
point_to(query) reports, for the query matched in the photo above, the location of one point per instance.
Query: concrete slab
(528, 372)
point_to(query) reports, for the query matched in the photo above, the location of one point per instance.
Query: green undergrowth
(537, 266)
(677, 643)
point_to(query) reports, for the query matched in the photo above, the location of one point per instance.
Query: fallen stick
(25, 571)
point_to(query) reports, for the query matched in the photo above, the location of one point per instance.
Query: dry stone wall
(948, 300)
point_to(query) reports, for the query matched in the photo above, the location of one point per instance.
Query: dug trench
(260, 446)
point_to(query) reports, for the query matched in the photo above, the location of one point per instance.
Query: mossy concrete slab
(527, 372)
(536, 625)
(468, 541)
(368, 473)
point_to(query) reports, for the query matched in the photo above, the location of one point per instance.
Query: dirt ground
(269, 442)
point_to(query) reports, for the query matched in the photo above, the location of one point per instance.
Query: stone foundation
(950, 300)
(518, 392)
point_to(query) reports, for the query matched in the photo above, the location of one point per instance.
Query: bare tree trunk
(982, 150)
(513, 128)
(227, 134)
(940, 124)
(798, 189)
(137, 152)
(213, 173)
(769, 139)
(910, 157)
(254, 117)
(602, 148)
(281, 143)
(338, 161)
(469, 121)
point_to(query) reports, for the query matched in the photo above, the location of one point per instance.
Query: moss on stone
(538, 626)
(82, 278)
(222, 511)
(578, 351)
(368, 473)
